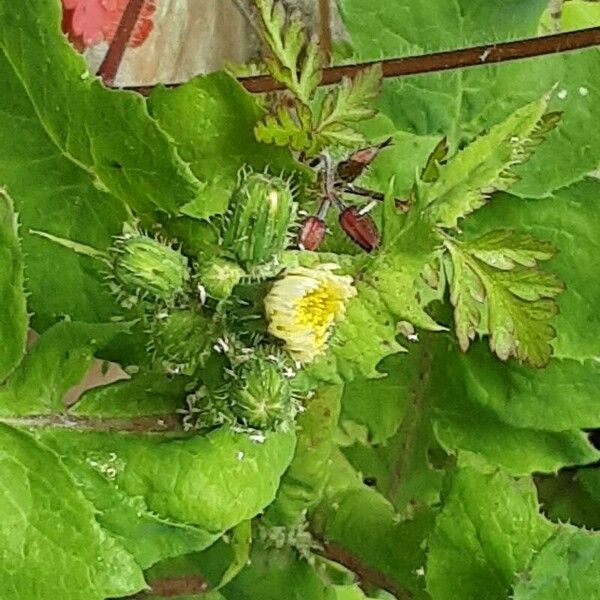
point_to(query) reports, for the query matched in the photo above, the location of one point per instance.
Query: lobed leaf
(497, 290)
(296, 60)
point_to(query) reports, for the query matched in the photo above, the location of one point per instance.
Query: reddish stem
(453, 59)
(439, 61)
(110, 65)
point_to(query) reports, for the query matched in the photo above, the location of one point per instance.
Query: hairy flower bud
(219, 276)
(144, 266)
(180, 341)
(261, 394)
(262, 209)
(312, 233)
(360, 228)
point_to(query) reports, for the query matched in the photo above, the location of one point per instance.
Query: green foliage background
(476, 467)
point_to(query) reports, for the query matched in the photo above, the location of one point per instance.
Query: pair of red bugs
(355, 221)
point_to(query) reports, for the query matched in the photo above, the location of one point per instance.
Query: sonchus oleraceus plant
(347, 335)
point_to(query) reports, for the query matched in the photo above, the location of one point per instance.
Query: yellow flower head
(303, 306)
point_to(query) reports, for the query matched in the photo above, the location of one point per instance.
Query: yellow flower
(303, 306)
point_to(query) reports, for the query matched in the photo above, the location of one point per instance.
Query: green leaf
(49, 530)
(465, 181)
(347, 105)
(75, 156)
(521, 420)
(488, 531)
(275, 574)
(462, 103)
(401, 466)
(567, 220)
(568, 565)
(183, 480)
(497, 290)
(217, 565)
(572, 496)
(362, 524)
(148, 537)
(296, 60)
(147, 394)
(350, 592)
(579, 14)
(216, 137)
(57, 362)
(287, 128)
(14, 319)
(303, 483)
(380, 405)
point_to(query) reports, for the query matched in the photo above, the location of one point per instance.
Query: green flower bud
(261, 395)
(144, 266)
(262, 209)
(219, 276)
(180, 340)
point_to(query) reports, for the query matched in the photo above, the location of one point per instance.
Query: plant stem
(156, 424)
(325, 37)
(110, 65)
(441, 61)
(173, 587)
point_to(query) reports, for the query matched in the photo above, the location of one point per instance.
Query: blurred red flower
(88, 22)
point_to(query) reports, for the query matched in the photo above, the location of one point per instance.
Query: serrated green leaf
(216, 137)
(284, 128)
(568, 565)
(296, 60)
(497, 290)
(213, 482)
(488, 530)
(304, 481)
(347, 104)
(57, 362)
(13, 319)
(486, 165)
(75, 155)
(49, 530)
(462, 103)
(568, 221)
(572, 496)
